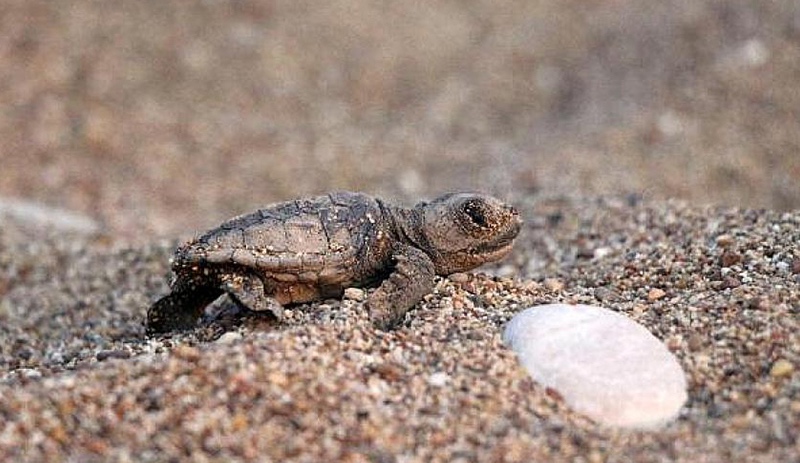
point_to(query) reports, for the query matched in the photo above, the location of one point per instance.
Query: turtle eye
(475, 211)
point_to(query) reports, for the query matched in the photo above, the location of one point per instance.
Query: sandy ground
(80, 381)
(649, 147)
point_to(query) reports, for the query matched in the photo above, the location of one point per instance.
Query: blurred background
(157, 118)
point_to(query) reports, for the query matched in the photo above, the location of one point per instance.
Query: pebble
(229, 337)
(438, 379)
(656, 294)
(112, 354)
(186, 352)
(729, 258)
(354, 294)
(603, 364)
(725, 240)
(781, 367)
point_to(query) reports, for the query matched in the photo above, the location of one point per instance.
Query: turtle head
(461, 231)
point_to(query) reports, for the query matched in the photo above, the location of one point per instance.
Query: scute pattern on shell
(306, 240)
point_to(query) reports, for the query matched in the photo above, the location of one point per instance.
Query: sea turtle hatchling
(311, 249)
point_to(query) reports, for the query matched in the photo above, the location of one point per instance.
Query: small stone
(696, 342)
(29, 373)
(438, 379)
(724, 241)
(655, 294)
(56, 357)
(553, 284)
(781, 368)
(459, 277)
(354, 294)
(186, 352)
(229, 337)
(25, 353)
(729, 258)
(239, 422)
(730, 282)
(603, 364)
(278, 378)
(605, 294)
(112, 354)
(796, 265)
(759, 303)
(602, 252)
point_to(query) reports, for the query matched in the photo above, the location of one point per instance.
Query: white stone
(604, 365)
(438, 379)
(229, 337)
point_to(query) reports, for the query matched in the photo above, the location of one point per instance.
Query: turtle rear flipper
(248, 290)
(180, 309)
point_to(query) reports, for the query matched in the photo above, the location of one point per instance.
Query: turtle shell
(332, 240)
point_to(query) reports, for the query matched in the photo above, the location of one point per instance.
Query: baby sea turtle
(310, 249)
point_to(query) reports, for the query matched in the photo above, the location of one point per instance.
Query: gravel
(720, 287)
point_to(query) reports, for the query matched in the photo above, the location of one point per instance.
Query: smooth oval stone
(604, 365)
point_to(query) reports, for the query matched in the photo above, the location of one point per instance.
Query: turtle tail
(179, 310)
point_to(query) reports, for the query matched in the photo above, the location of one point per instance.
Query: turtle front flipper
(180, 309)
(411, 279)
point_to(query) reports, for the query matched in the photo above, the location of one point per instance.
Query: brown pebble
(729, 258)
(796, 265)
(656, 294)
(730, 282)
(759, 303)
(97, 446)
(186, 352)
(781, 368)
(725, 240)
(59, 434)
(674, 343)
(389, 371)
(459, 277)
(695, 342)
(239, 422)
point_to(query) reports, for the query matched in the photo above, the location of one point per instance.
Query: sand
(80, 382)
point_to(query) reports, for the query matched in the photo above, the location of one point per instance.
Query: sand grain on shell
(80, 382)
